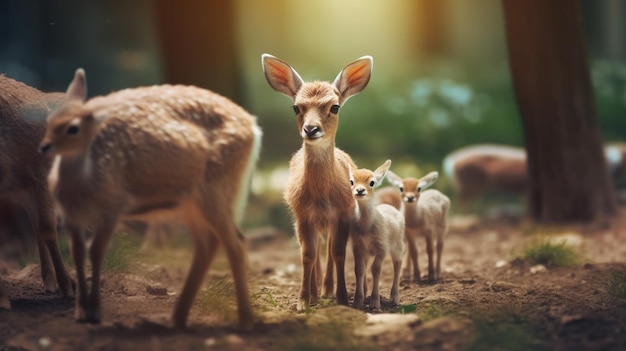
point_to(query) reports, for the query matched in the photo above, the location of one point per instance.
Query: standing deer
(151, 153)
(317, 192)
(425, 214)
(23, 173)
(376, 229)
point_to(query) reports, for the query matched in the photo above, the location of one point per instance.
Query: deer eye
(334, 109)
(296, 109)
(72, 130)
(401, 189)
(351, 182)
(419, 189)
(372, 183)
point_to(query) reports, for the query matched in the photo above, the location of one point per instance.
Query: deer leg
(359, 272)
(429, 251)
(395, 294)
(339, 243)
(78, 254)
(440, 242)
(308, 252)
(329, 274)
(96, 254)
(376, 269)
(238, 260)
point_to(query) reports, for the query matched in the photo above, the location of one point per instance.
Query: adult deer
(152, 153)
(318, 192)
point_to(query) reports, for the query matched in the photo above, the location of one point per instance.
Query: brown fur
(318, 193)
(425, 214)
(23, 172)
(151, 153)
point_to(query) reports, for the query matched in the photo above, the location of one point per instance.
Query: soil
(487, 300)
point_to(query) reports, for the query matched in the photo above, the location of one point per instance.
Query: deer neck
(320, 163)
(364, 212)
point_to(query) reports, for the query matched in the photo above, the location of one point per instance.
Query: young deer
(425, 214)
(376, 229)
(23, 172)
(317, 191)
(147, 153)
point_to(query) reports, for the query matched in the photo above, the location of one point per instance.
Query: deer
(152, 153)
(23, 177)
(425, 215)
(376, 229)
(317, 191)
(477, 169)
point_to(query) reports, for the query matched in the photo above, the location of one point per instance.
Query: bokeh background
(441, 77)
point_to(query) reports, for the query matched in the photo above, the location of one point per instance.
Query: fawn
(425, 214)
(23, 172)
(376, 229)
(317, 191)
(154, 152)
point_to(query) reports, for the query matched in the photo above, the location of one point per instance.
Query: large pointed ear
(381, 172)
(427, 181)
(394, 179)
(78, 87)
(281, 76)
(354, 78)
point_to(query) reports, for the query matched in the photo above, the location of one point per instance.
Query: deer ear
(281, 76)
(394, 179)
(381, 172)
(427, 180)
(77, 90)
(353, 78)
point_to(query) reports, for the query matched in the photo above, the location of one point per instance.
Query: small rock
(501, 263)
(500, 286)
(234, 339)
(156, 290)
(45, 342)
(467, 281)
(210, 342)
(566, 319)
(387, 324)
(537, 269)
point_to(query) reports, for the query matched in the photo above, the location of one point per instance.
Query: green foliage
(553, 253)
(504, 335)
(218, 298)
(122, 255)
(616, 283)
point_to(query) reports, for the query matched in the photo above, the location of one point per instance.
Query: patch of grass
(551, 253)
(122, 255)
(504, 335)
(431, 311)
(265, 297)
(218, 298)
(616, 283)
(335, 334)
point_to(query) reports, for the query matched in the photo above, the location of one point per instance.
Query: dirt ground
(488, 300)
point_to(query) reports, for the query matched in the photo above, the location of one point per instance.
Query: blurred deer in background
(477, 169)
(425, 215)
(376, 229)
(23, 176)
(154, 152)
(318, 192)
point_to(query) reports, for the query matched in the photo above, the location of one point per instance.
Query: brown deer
(377, 229)
(476, 169)
(425, 214)
(152, 153)
(23, 175)
(318, 192)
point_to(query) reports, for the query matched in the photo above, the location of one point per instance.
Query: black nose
(310, 130)
(360, 191)
(410, 198)
(45, 148)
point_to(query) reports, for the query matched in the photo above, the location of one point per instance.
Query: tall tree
(198, 41)
(568, 177)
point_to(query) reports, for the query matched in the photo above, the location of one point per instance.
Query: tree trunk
(198, 43)
(568, 178)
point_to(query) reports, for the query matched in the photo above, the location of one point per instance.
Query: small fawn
(151, 153)
(317, 191)
(376, 229)
(425, 214)
(23, 175)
